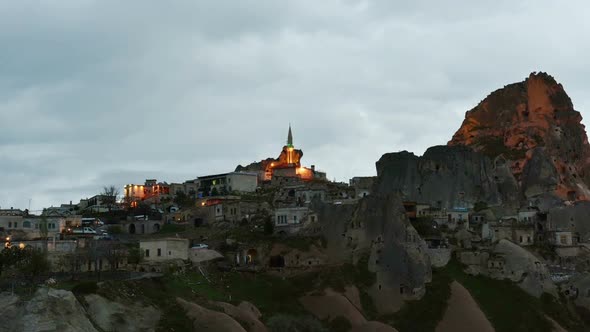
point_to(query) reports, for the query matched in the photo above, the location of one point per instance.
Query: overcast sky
(104, 92)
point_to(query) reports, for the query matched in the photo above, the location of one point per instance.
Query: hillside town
(155, 225)
(456, 206)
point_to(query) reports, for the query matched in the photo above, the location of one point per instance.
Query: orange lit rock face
(516, 119)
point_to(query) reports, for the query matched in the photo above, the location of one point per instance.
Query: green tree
(134, 255)
(479, 206)
(269, 226)
(34, 262)
(183, 200)
(28, 261)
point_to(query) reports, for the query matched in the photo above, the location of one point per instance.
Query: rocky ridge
(534, 126)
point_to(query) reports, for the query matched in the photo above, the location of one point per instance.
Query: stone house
(242, 182)
(457, 217)
(528, 214)
(230, 209)
(561, 238)
(166, 249)
(523, 235)
(30, 227)
(573, 218)
(362, 185)
(291, 219)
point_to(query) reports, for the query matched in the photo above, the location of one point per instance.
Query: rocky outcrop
(245, 312)
(510, 261)
(447, 176)
(378, 228)
(524, 268)
(209, 320)
(515, 121)
(49, 310)
(114, 316)
(332, 305)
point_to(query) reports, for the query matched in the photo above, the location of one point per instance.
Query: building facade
(160, 250)
(223, 184)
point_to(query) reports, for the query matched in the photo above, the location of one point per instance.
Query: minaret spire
(290, 138)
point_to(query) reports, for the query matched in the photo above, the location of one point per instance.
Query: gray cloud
(109, 92)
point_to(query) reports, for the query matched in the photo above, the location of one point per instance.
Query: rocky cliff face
(534, 127)
(446, 176)
(379, 228)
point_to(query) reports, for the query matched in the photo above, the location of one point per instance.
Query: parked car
(84, 230)
(200, 246)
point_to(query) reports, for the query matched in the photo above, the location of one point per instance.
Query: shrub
(269, 227)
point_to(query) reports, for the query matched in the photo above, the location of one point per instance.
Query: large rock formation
(446, 176)
(378, 227)
(534, 126)
(332, 305)
(209, 320)
(48, 310)
(123, 316)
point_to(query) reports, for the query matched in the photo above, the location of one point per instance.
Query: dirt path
(463, 313)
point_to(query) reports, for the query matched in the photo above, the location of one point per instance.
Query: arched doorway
(251, 256)
(132, 229)
(198, 222)
(277, 261)
(156, 227)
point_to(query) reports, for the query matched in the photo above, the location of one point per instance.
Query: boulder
(209, 320)
(121, 316)
(48, 310)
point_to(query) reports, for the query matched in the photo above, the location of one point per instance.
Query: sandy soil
(463, 313)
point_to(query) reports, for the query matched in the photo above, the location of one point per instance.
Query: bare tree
(111, 193)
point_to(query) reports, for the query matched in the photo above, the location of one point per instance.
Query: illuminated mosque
(288, 164)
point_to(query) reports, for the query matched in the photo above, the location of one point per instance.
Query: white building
(240, 182)
(31, 227)
(528, 214)
(457, 216)
(291, 219)
(159, 250)
(564, 238)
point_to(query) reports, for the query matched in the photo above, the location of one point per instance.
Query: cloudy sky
(104, 92)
